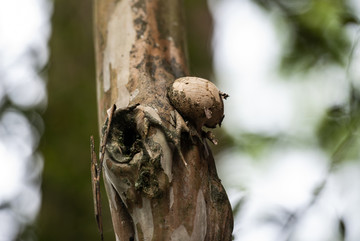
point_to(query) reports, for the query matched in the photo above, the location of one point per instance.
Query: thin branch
(96, 168)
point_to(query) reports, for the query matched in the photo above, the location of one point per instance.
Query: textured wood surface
(153, 195)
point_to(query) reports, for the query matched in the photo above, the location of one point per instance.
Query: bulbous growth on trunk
(198, 100)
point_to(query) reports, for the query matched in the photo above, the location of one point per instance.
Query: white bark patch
(108, 111)
(150, 111)
(171, 196)
(144, 217)
(199, 230)
(180, 234)
(134, 94)
(116, 53)
(166, 158)
(117, 238)
(123, 98)
(111, 192)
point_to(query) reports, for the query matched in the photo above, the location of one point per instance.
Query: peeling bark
(153, 194)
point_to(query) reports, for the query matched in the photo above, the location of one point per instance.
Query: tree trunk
(153, 195)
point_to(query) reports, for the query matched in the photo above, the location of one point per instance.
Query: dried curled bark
(159, 175)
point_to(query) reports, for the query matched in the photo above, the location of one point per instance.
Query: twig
(96, 169)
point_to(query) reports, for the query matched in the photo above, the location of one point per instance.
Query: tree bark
(153, 195)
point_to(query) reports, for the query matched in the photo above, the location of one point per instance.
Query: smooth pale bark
(140, 51)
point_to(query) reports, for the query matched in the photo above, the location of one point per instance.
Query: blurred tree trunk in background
(67, 206)
(140, 51)
(67, 209)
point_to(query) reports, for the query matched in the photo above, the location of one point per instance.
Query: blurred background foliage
(317, 30)
(316, 39)
(70, 119)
